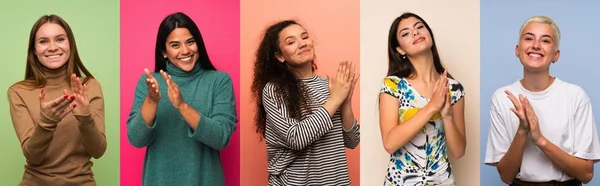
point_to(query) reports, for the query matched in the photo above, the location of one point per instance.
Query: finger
(339, 71)
(514, 111)
(67, 110)
(513, 99)
(164, 74)
(65, 103)
(58, 101)
(148, 73)
(79, 86)
(42, 95)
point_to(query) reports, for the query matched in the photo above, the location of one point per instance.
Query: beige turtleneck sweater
(57, 153)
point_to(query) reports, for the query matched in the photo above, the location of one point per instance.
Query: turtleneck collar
(55, 77)
(174, 71)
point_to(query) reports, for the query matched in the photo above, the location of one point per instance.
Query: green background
(95, 25)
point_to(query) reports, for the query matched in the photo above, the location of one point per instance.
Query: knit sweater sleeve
(92, 126)
(215, 128)
(138, 133)
(34, 134)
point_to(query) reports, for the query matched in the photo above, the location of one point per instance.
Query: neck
(303, 72)
(55, 76)
(536, 81)
(424, 69)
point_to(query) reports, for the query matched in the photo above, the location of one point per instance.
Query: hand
(58, 108)
(153, 89)
(519, 110)
(447, 108)
(173, 91)
(353, 79)
(440, 93)
(340, 85)
(532, 119)
(80, 92)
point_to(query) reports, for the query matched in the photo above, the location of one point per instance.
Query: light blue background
(579, 23)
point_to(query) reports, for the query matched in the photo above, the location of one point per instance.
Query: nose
(52, 46)
(185, 50)
(301, 44)
(536, 45)
(416, 32)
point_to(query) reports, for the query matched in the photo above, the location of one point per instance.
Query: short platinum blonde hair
(543, 20)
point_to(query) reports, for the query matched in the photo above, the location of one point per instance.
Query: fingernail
(65, 96)
(74, 106)
(72, 97)
(43, 91)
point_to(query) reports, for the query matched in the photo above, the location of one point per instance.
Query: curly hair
(267, 69)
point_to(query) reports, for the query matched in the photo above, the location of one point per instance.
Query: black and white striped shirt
(309, 151)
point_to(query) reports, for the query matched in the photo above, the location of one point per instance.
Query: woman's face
(181, 49)
(413, 37)
(295, 45)
(52, 47)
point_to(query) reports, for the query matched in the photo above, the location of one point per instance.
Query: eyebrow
(531, 34)
(407, 27)
(172, 41)
(59, 35)
(294, 36)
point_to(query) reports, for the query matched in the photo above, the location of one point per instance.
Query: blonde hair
(543, 20)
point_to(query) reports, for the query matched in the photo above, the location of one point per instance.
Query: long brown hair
(33, 71)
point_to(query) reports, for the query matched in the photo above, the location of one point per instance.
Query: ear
(279, 57)
(399, 50)
(164, 54)
(556, 56)
(517, 51)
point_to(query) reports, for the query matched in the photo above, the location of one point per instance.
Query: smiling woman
(58, 118)
(185, 131)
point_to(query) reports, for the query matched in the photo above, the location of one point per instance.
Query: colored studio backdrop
(217, 158)
(334, 37)
(458, 55)
(500, 67)
(63, 145)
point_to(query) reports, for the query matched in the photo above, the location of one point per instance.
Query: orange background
(334, 27)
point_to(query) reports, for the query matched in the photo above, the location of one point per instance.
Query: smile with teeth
(186, 59)
(535, 55)
(53, 56)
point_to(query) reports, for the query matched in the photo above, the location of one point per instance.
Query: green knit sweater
(177, 154)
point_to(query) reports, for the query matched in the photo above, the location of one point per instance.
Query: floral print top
(423, 160)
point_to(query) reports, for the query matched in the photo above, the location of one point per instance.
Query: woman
(186, 116)
(58, 115)
(305, 120)
(421, 110)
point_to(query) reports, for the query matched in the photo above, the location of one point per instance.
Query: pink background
(334, 27)
(219, 23)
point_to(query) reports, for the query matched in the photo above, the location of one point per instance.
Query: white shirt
(565, 118)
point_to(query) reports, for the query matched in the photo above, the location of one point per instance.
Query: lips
(535, 55)
(186, 59)
(54, 56)
(304, 52)
(418, 40)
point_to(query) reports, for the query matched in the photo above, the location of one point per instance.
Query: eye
(420, 26)
(60, 39)
(43, 41)
(404, 34)
(305, 37)
(175, 45)
(547, 41)
(190, 42)
(528, 39)
(290, 42)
